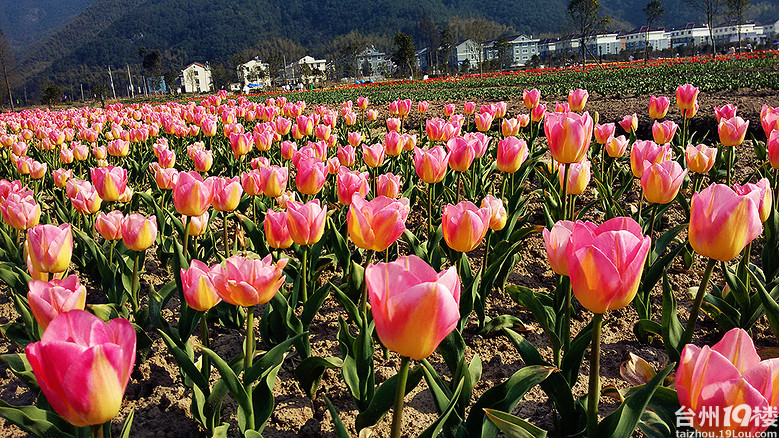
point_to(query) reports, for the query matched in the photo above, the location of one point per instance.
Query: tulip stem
(429, 211)
(400, 393)
(687, 336)
(652, 223)
(640, 204)
(185, 238)
(224, 231)
(205, 369)
(111, 253)
(564, 191)
(248, 358)
(594, 394)
(304, 274)
(136, 285)
(730, 163)
(97, 431)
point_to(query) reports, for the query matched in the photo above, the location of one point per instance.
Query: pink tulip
(538, 113)
(483, 122)
(241, 143)
(577, 99)
(464, 225)
(701, 158)
(722, 222)
(431, 164)
(20, 212)
(434, 129)
(226, 193)
(252, 182)
(423, 106)
(393, 124)
(731, 380)
(117, 148)
(86, 199)
(138, 231)
(605, 264)
(469, 108)
(616, 146)
(346, 155)
(763, 187)
(378, 223)
(531, 98)
(167, 158)
(478, 141)
(373, 155)
(629, 123)
(772, 149)
(658, 106)
(578, 177)
(509, 127)
(603, 132)
(38, 170)
(413, 306)
(372, 115)
(461, 154)
(769, 119)
(49, 247)
(354, 139)
(562, 107)
(109, 181)
(248, 282)
(166, 178)
(569, 136)
(191, 195)
(306, 221)
(198, 225)
(199, 290)
(288, 149)
(277, 229)
(66, 155)
(558, 243)
(732, 131)
(686, 97)
(311, 176)
(661, 181)
(273, 180)
(512, 152)
(725, 112)
(349, 183)
(61, 176)
(82, 365)
(646, 153)
(664, 132)
(498, 215)
(393, 144)
(50, 298)
(388, 185)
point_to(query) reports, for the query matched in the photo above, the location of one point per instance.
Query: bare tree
(710, 9)
(6, 65)
(586, 19)
(736, 10)
(653, 10)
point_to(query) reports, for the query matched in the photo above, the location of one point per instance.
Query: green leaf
(310, 370)
(572, 358)
(36, 421)
(770, 305)
(18, 364)
(513, 426)
(188, 367)
(338, 425)
(622, 422)
(230, 378)
(672, 328)
(128, 424)
(435, 429)
(384, 397)
(273, 357)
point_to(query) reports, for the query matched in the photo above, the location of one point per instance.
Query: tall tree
(710, 9)
(653, 10)
(445, 51)
(6, 65)
(405, 55)
(736, 10)
(586, 18)
(432, 37)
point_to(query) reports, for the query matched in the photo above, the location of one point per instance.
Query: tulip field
(536, 256)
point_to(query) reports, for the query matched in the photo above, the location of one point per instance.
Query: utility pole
(113, 90)
(82, 92)
(130, 78)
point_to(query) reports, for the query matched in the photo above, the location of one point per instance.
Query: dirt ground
(161, 401)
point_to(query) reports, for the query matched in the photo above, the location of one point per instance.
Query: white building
(306, 70)
(729, 32)
(253, 74)
(468, 50)
(637, 39)
(196, 78)
(604, 44)
(690, 34)
(373, 58)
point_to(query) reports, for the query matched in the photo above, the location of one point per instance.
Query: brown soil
(161, 401)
